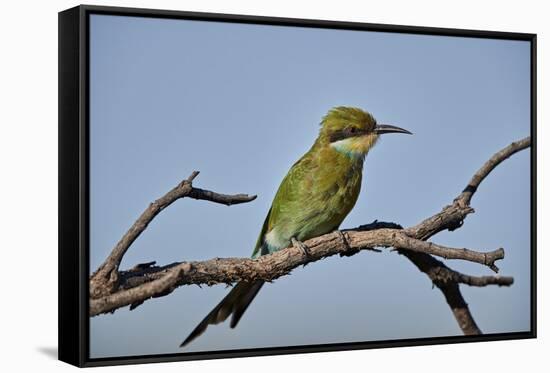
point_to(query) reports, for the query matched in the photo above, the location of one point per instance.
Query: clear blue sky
(241, 103)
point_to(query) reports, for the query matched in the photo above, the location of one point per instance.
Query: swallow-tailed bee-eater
(315, 196)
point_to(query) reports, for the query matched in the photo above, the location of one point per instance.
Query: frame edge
(69, 310)
(72, 285)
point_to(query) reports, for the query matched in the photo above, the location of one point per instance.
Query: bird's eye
(352, 130)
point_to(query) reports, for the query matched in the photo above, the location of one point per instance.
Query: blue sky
(241, 103)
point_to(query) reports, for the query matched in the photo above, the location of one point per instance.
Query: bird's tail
(235, 303)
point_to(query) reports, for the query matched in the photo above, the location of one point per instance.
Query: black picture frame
(74, 182)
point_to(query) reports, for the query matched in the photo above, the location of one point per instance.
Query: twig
(490, 165)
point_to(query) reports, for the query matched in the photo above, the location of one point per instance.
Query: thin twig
(490, 165)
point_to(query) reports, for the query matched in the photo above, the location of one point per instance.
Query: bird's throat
(355, 147)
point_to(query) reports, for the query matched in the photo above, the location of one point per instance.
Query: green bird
(315, 196)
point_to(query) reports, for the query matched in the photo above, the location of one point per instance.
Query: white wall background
(28, 183)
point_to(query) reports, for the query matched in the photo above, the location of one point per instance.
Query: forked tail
(234, 303)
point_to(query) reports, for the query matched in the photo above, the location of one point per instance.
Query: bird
(313, 199)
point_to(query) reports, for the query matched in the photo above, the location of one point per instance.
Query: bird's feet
(300, 245)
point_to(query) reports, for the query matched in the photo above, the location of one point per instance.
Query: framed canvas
(291, 239)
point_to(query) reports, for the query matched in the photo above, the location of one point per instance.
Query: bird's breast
(324, 196)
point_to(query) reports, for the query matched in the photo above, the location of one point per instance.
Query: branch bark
(111, 289)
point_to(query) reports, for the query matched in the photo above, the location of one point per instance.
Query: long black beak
(387, 128)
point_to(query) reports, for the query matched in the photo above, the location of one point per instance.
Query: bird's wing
(294, 190)
(291, 189)
(260, 241)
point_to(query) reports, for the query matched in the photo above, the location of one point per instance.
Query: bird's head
(353, 131)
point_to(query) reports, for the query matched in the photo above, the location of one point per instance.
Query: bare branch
(481, 281)
(278, 264)
(490, 165)
(392, 238)
(451, 218)
(224, 199)
(111, 289)
(163, 285)
(105, 279)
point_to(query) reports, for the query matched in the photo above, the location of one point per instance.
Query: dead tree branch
(281, 263)
(451, 218)
(111, 289)
(105, 280)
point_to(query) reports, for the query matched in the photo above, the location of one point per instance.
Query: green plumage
(315, 196)
(313, 199)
